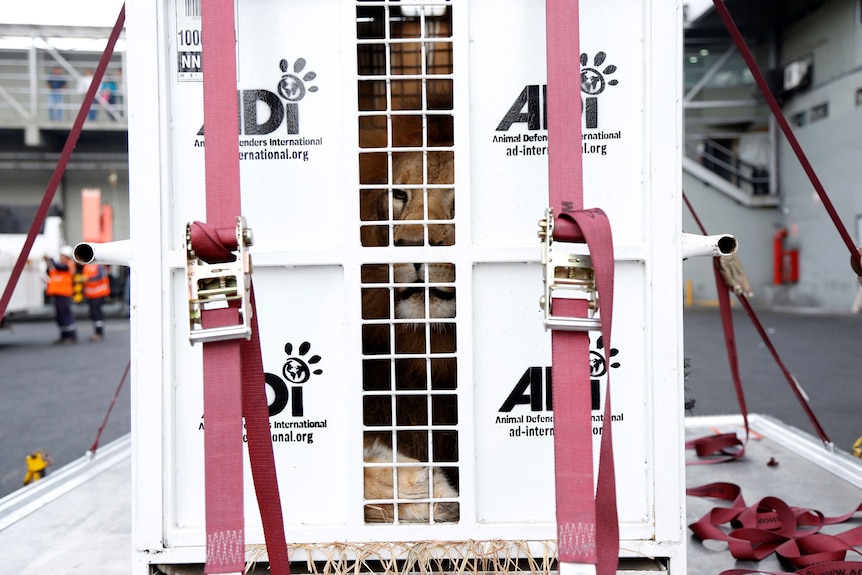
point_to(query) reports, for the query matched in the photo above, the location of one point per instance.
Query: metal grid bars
(406, 132)
(406, 195)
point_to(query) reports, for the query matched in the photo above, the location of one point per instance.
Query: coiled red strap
(772, 526)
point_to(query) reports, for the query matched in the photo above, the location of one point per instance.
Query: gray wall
(833, 145)
(831, 33)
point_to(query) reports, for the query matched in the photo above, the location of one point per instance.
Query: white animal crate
(360, 121)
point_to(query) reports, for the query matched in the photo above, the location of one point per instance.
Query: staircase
(722, 169)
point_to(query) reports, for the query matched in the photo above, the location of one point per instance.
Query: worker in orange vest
(97, 287)
(61, 288)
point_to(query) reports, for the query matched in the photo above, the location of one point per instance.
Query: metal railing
(42, 87)
(727, 164)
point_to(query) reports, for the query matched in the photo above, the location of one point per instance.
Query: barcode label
(193, 8)
(188, 39)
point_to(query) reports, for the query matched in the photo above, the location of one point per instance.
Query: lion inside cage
(406, 197)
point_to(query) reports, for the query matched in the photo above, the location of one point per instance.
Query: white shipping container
(29, 294)
(358, 116)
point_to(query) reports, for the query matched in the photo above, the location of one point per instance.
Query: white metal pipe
(698, 245)
(110, 253)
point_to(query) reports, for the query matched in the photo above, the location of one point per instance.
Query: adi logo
(298, 368)
(531, 105)
(287, 388)
(264, 111)
(534, 388)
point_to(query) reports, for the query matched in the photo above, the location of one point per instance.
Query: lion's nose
(420, 273)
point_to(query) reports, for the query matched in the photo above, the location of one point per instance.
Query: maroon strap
(213, 245)
(593, 226)
(730, 345)
(791, 380)
(95, 444)
(716, 448)
(233, 369)
(565, 161)
(256, 411)
(221, 359)
(573, 441)
(726, 446)
(62, 162)
(223, 448)
(772, 526)
(220, 114)
(587, 525)
(855, 262)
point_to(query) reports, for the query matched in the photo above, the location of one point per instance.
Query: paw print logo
(593, 81)
(598, 367)
(298, 368)
(292, 86)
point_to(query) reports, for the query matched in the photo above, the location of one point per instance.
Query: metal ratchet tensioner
(567, 275)
(217, 285)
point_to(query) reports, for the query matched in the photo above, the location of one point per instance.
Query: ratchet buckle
(568, 274)
(220, 285)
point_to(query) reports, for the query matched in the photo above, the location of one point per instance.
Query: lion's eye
(399, 202)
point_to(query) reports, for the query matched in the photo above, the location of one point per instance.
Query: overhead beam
(710, 74)
(36, 30)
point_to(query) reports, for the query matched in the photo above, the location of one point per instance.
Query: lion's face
(410, 301)
(426, 207)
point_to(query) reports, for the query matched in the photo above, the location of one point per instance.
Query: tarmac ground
(822, 351)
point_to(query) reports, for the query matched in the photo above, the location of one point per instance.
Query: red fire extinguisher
(785, 260)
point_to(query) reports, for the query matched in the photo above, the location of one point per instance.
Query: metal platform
(78, 520)
(780, 461)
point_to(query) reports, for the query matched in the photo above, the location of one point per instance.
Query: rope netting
(419, 557)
